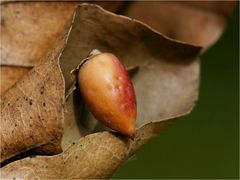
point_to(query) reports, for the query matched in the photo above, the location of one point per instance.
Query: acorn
(108, 91)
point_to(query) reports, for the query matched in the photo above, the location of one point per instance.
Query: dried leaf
(30, 29)
(200, 23)
(166, 86)
(91, 159)
(10, 75)
(32, 110)
(90, 156)
(36, 25)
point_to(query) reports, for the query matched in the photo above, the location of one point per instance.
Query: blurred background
(204, 144)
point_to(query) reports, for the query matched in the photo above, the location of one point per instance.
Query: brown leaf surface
(32, 110)
(166, 87)
(94, 156)
(29, 29)
(200, 23)
(10, 75)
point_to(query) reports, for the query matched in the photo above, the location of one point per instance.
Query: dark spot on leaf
(8, 104)
(42, 90)
(76, 157)
(30, 117)
(14, 178)
(73, 143)
(30, 102)
(44, 104)
(15, 125)
(30, 125)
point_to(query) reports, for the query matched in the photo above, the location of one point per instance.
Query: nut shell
(108, 91)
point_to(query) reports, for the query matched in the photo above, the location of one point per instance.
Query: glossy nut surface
(108, 91)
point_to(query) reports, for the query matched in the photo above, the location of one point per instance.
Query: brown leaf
(32, 110)
(166, 87)
(200, 23)
(25, 38)
(95, 156)
(10, 75)
(90, 157)
(30, 29)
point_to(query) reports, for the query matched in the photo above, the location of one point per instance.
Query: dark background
(204, 144)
